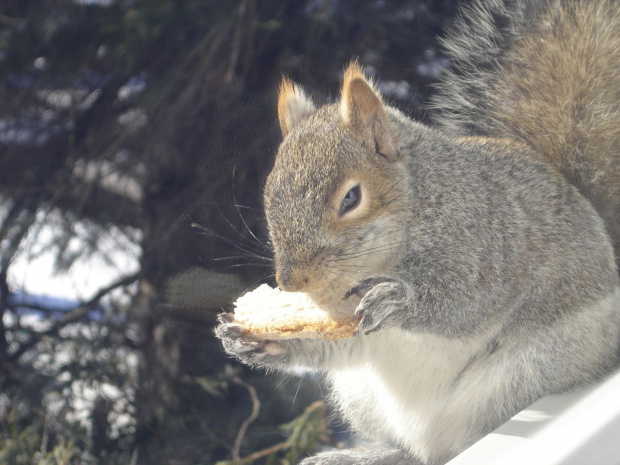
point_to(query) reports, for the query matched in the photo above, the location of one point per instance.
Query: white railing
(578, 428)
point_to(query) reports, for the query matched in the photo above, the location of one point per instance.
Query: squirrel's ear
(363, 111)
(293, 105)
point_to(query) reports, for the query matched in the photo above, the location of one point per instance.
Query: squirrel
(478, 252)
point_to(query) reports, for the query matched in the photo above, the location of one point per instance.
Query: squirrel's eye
(351, 200)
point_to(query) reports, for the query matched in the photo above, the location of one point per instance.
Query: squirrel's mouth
(332, 300)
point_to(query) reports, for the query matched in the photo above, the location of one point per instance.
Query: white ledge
(577, 428)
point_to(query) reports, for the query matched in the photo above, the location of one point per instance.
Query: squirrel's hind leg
(373, 455)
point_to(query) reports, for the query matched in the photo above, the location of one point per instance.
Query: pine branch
(73, 315)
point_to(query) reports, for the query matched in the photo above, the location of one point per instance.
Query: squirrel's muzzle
(291, 278)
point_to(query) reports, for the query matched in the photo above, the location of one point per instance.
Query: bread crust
(268, 313)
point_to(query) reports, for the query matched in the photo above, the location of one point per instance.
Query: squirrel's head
(337, 177)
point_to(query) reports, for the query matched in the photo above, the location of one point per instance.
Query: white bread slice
(268, 313)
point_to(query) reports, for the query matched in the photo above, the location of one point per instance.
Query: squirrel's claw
(368, 321)
(381, 305)
(225, 318)
(232, 336)
(254, 352)
(365, 285)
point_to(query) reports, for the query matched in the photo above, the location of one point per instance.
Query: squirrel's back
(546, 74)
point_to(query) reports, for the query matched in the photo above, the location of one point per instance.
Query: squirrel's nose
(290, 279)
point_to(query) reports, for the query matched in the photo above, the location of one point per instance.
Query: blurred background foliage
(144, 129)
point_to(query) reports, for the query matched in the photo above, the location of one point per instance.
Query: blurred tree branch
(71, 316)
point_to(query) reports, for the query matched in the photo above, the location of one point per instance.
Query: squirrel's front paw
(252, 351)
(383, 304)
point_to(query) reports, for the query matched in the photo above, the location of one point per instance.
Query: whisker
(283, 381)
(384, 248)
(386, 233)
(337, 273)
(238, 257)
(301, 378)
(239, 211)
(355, 268)
(237, 245)
(248, 240)
(243, 265)
(397, 233)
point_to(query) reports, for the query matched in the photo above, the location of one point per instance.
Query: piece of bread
(268, 313)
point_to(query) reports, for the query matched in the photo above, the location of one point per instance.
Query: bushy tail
(547, 74)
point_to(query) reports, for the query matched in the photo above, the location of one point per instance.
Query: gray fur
(483, 275)
(477, 45)
(362, 456)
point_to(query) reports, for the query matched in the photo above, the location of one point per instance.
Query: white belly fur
(402, 383)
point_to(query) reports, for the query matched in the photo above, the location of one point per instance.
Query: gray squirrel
(479, 253)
